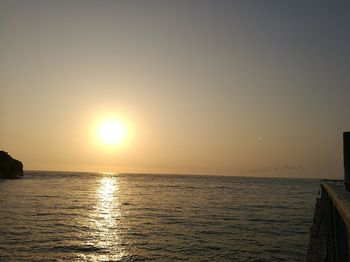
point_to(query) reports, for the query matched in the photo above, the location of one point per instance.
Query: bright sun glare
(112, 132)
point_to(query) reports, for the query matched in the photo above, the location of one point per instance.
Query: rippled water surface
(95, 217)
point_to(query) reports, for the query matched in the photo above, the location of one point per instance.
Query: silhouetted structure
(330, 232)
(9, 167)
(346, 149)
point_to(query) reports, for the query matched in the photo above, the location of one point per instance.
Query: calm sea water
(77, 217)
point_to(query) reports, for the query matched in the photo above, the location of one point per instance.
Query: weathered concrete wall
(330, 232)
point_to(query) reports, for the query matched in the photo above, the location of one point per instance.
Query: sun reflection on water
(105, 221)
(108, 186)
(107, 208)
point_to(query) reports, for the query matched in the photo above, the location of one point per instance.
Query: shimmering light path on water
(105, 217)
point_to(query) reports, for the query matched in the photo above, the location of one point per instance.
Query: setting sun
(111, 133)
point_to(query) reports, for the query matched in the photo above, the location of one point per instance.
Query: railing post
(346, 147)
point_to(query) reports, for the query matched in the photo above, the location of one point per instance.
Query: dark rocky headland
(9, 167)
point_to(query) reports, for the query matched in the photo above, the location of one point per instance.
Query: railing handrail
(341, 201)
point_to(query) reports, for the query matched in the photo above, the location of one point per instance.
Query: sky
(246, 88)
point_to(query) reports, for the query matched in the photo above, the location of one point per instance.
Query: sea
(61, 216)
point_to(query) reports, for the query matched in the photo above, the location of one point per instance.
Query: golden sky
(209, 87)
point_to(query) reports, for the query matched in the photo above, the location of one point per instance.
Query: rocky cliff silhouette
(9, 167)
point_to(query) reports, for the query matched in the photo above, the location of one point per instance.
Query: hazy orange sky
(256, 88)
